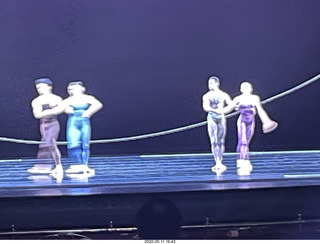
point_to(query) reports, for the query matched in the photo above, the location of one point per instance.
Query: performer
(49, 126)
(80, 108)
(213, 102)
(247, 104)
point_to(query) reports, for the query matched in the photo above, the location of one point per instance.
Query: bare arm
(261, 112)
(69, 110)
(268, 125)
(230, 104)
(37, 108)
(206, 104)
(95, 106)
(60, 108)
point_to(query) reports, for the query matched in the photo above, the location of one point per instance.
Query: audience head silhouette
(159, 218)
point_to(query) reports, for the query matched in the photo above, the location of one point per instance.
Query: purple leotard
(245, 126)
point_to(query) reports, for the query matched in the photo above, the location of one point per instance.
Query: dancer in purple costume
(213, 102)
(248, 104)
(49, 127)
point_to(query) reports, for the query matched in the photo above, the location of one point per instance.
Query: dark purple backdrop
(148, 61)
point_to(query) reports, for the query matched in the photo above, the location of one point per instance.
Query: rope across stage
(171, 131)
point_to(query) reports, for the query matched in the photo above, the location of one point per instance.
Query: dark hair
(43, 80)
(159, 218)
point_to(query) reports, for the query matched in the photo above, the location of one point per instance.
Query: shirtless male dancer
(213, 103)
(49, 125)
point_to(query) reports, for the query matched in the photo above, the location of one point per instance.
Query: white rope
(171, 131)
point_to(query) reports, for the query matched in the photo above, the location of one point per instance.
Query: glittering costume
(49, 129)
(78, 135)
(216, 128)
(245, 126)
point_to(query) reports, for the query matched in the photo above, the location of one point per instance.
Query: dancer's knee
(214, 144)
(73, 144)
(243, 143)
(85, 146)
(220, 143)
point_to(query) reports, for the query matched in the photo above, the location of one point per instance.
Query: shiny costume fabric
(49, 129)
(245, 126)
(78, 135)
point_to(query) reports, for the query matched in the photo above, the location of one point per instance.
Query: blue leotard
(78, 135)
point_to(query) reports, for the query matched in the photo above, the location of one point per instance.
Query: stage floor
(162, 173)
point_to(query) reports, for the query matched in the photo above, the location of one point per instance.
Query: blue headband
(75, 83)
(43, 80)
(215, 78)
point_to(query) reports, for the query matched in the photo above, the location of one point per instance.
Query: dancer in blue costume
(80, 108)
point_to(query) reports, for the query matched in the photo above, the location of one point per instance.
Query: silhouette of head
(159, 218)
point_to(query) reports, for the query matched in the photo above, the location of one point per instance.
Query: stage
(283, 186)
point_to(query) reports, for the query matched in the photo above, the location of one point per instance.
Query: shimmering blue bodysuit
(78, 135)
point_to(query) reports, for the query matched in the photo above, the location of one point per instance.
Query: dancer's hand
(86, 114)
(69, 110)
(218, 110)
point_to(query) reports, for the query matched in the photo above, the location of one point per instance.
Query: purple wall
(149, 60)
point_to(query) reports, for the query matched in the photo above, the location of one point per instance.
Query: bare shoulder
(206, 95)
(89, 98)
(237, 98)
(35, 101)
(56, 96)
(256, 98)
(67, 100)
(225, 95)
